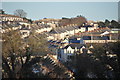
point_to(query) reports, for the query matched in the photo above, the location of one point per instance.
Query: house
(61, 32)
(88, 27)
(28, 25)
(100, 35)
(41, 28)
(7, 17)
(89, 49)
(76, 39)
(8, 26)
(25, 31)
(51, 22)
(68, 52)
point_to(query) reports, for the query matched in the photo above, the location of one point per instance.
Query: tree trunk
(6, 67)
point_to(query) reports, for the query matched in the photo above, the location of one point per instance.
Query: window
(70, 57)
(59, 55)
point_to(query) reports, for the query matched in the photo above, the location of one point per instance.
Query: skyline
(96, 11)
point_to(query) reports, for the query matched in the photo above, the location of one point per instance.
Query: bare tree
(16, 53)
(20, 13)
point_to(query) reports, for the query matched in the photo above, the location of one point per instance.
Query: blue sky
(91, 10)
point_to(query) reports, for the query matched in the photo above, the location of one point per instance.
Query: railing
(99, 41)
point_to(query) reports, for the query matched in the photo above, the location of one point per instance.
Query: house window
(24, 33)
(69, 51)
(70, 57)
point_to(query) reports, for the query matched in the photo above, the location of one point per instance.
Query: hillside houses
(100, 35)
(8, 17)
(41, 28)
(25, 30)
(7, 26)
(61, 32)
(77, 44)
(88, 27)
(51, 22)
(12, 22)
(69, 47)
(68, 53)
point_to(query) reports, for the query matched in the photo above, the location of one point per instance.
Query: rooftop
(73, 46)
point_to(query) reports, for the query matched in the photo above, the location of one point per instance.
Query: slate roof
(39, 26)
(53, 31)
(5, 24)
(87, 26)
(63, 29)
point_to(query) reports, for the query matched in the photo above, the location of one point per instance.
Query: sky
(96, 11)
(119, 10)
(60, 0)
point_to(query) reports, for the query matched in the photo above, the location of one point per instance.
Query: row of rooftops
(83, 36)
(63, 29)
(18, 25)
(40, 26)
(56, 30)
(47, 20)
(43, 25)
(6, 24)
(72, 45)
(8, 15)
(96, 31)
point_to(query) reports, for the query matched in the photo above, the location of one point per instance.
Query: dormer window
(75, 48)
(83, 47)
(91, 47)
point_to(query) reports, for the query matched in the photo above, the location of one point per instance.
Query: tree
(119, 20)
(10, 46)
(80, 16)
(100, 54)
(64, 18)
(20, 13)
(17, 52)
(2, 12)
(101, 24)
(114, 24)
(115, 47)
(85, 65)
(99, 51)
(107, 23)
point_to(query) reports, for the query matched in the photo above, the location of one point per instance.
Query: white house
(68, 52)
(61, 32)
(89, 27)
(40, 28)
(25, 31)
(6, 17)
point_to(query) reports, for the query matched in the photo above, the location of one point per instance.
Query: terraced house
(8, 17)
